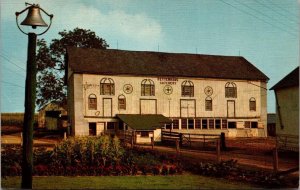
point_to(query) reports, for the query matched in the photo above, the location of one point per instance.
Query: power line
(279, 7)
(12, 62)
(12, 84)
(268, 7)
(258, 18)
(249, 7)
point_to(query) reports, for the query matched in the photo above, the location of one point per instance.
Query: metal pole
(30, 95)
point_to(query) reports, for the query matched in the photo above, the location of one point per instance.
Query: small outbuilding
(144, 127)
(52, 116)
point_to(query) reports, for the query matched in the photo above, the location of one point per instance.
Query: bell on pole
(34, 17)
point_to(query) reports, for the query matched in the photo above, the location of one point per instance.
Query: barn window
(110, 125)
(183, 123)
(218, 124)
(144, 133)
(211, 123)
(208, 104)
(148, 87)
(187, 88)
(107, 86)
(92, 102)
(122, 102)
(175, 124)
(198, 123)
(204, 123)
(230, 90)
(252, 104)
(190, 123)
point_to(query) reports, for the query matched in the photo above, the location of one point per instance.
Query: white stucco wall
(168, 105)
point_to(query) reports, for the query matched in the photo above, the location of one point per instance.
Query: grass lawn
(126, 182)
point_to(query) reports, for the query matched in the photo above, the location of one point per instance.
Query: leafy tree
(51, 63)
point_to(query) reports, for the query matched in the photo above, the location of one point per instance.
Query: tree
(51, 63)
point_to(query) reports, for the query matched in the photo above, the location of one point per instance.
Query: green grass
(127, 182)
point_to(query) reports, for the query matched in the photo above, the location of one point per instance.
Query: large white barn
(111, 90)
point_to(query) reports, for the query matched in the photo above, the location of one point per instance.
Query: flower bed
(90, 156)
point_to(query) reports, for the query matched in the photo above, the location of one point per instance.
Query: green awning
(144, 122)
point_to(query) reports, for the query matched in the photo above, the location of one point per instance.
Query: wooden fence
(287, 142)
(187, 139)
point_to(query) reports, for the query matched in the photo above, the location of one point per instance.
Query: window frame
(92, 105)
(147, 87)
(208, 104)
(187, 88)
(108, 127)
(252, 104)
(175, 124)
(230, 90)
(121, 105)
(184, 123)
(107, 86)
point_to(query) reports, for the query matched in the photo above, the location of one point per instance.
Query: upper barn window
(208, 104)
(230, 90)
(122, 102)
(107, 86)
(187, 88)
(92, 102)
(252, 104)
(148, 87)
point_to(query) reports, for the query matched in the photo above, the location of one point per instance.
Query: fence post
(132, 139)
(65, 135)
(177, 146)
(21, 138)
(152, 142)
(275, 159)
(180, 139)
(190, 140)
(223, 142)
(218, 151)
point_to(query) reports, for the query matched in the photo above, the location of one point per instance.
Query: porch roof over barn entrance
(144, 122)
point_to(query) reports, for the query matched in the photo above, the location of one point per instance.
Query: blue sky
(265, 32)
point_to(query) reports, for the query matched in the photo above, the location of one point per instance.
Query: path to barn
(250, 153)
(16, 139)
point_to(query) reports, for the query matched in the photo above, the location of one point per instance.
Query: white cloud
(113, 23)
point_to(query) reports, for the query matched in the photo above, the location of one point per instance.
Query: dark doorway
(92, 129)
(231, 125)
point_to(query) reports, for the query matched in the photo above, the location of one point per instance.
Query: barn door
(100, 128)
(187, 108)
(107, 107)
(230, 108)
(148, 106)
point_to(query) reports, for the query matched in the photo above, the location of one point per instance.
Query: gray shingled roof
(290, 80)
(142, 63)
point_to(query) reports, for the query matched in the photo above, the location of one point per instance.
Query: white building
(108, 89)
(287, 104)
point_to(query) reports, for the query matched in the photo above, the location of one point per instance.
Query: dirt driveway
(249, 152)
(16, 139)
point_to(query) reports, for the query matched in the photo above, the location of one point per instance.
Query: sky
(265, 32)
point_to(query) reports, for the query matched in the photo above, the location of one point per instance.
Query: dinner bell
(34, 17)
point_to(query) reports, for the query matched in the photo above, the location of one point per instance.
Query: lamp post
(33, 19)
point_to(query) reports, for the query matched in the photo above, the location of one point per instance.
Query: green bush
(97, 151)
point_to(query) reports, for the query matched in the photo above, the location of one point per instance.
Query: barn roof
(292, 79)
(143, 63)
